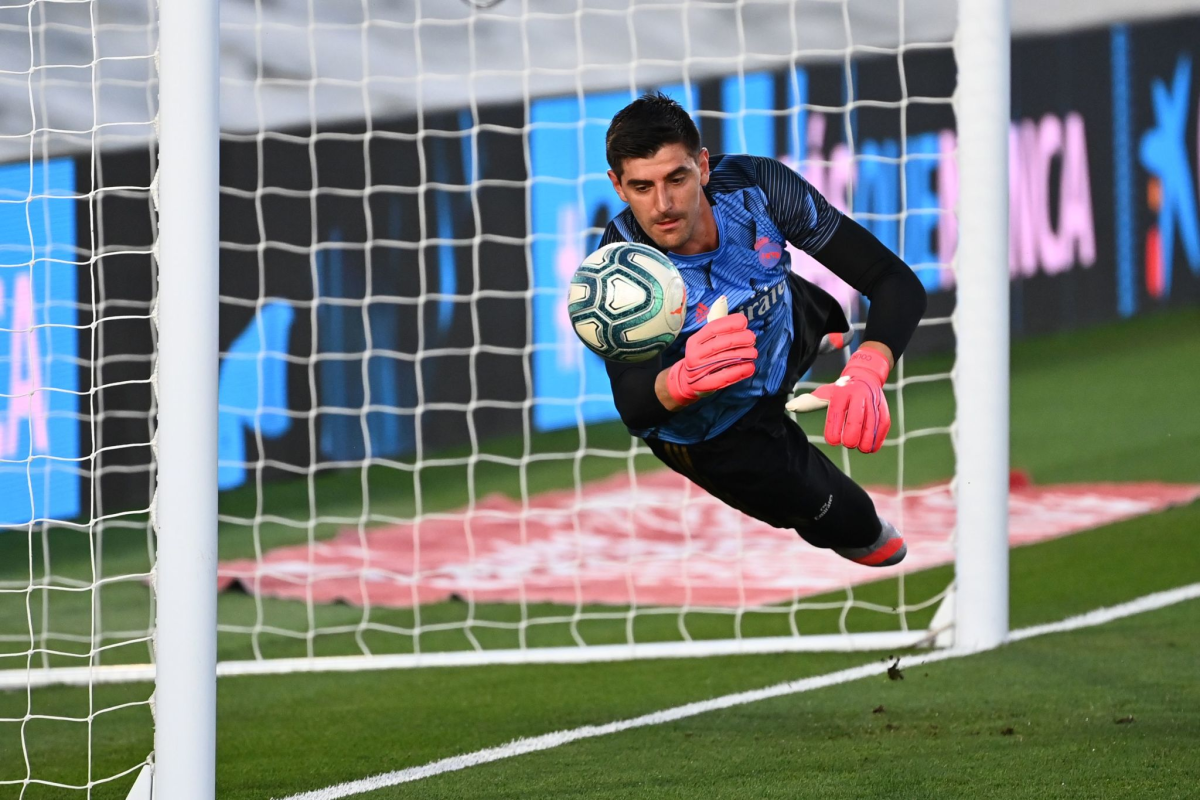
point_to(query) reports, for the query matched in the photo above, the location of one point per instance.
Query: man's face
(665, 193)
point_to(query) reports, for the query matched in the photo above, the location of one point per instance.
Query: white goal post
(981, 381)
(326, 294)
(185, 503)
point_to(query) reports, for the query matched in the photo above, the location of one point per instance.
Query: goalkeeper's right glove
(718, 355)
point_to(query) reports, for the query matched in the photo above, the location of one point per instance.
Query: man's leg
(765, 467)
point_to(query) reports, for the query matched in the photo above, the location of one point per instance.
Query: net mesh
(78, 99)
(416, 454)
(393, 267)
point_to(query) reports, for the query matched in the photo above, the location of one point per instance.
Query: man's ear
(702, 162)
(616, 182)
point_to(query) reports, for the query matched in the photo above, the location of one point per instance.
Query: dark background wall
(402, 253)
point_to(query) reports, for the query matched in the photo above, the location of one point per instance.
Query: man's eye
(679, 179)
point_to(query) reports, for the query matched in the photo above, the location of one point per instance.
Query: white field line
(547, 741)
(22, 679)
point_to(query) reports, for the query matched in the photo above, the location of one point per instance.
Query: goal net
(418, 456)
(418, 462)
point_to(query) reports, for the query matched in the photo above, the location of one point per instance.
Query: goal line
(1100, 616)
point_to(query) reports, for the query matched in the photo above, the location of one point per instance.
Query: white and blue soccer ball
(627, 302)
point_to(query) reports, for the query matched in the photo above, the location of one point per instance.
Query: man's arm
(849, 251)
(635, 392)
(897, 297)
(718, 355)
(642, 393)
(858, 414)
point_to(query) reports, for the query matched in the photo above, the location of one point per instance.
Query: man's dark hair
(644, 126)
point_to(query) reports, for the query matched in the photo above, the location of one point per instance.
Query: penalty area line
(548, 741)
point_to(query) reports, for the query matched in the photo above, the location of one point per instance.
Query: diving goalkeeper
(713, 405)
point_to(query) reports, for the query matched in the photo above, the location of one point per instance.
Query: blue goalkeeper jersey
(758, 203)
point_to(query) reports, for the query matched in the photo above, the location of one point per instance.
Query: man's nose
(662, 199)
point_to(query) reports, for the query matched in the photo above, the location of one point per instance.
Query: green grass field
(1034, 719)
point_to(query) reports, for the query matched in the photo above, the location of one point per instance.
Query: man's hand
(858, 412)
(718, 355)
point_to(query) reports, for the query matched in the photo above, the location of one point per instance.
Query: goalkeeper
(712, 405)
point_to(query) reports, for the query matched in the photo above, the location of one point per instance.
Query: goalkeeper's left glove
(858, 412)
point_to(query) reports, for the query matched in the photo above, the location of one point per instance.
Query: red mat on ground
(664, 542)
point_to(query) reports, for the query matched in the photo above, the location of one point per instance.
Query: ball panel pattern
(626, 302)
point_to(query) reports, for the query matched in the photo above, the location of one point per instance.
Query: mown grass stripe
(549, 741)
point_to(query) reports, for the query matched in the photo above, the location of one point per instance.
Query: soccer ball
(627, 302)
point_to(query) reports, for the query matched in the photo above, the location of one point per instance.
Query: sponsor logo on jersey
(761, 304)
(769, 252)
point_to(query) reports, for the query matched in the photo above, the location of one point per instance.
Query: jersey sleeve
(805, 218)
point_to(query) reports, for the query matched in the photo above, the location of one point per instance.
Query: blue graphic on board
(749, 100)
(252, 393)
(921, 211)
(1122, 105)
(444, 204)
(1164, 154)
(39, 376)
(447, 268)
(877, 191)
(797, 93)
(572, 200)
(342, 345)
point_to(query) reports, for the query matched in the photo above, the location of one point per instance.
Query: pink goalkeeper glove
(858, 412)
(718, 355)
